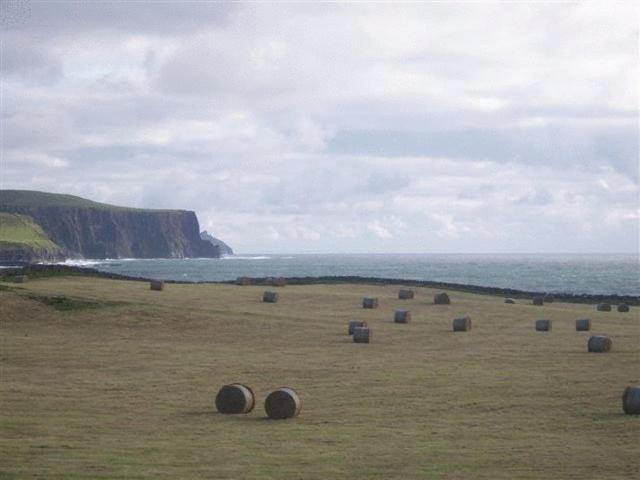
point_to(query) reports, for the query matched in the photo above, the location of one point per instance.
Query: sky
(291, 127)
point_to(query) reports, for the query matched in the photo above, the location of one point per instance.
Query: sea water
(559, 273)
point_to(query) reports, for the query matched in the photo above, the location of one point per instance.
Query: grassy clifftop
(19, 230)
(36, 199)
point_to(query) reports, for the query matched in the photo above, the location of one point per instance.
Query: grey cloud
(63, 17)
(32, 64)
(617, 147)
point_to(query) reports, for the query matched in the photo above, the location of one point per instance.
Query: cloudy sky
(336, 127)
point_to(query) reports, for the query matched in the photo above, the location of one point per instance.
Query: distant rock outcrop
(224, 248)
(86, 229)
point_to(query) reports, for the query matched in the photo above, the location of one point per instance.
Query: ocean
(558, 273)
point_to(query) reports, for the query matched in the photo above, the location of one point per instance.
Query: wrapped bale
(462, 324)
(599, 344)
(548, 298)
(631, 400)
(270, 297)
(623, 307)
(235, 398)
(441, 299)
(510, 301)
(369, 302)
(405, 294)
(353, 324)
(282, 403)
(362, 335)
(583, 325)
(543, 325)
(402, 316)
(538, 301)
(603, 307)
(157, 285)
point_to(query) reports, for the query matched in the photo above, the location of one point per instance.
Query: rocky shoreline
(37, 270)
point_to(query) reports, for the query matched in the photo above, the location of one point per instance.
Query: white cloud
(349, 127)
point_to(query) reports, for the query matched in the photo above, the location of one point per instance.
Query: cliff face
(97, 231)
(223, 247)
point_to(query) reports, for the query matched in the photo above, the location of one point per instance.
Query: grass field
(120, 383)
(20, 230)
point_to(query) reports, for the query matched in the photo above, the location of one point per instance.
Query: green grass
(66, 304)
(36, 199)
(128, 391)
(17, 231)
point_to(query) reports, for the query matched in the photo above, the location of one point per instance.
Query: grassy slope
(17, 231)
(127, 391)
(32, 198)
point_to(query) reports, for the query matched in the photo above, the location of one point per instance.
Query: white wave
(238, 257)
(79, 262)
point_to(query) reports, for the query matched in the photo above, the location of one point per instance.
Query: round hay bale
(157, 285)
(583, 325)
(599, 344)
(462, 324)
(369, 302)
(402, 316)
(270, 297)
(362, 335)
(548, 298)
(631, 400)
(538, 300)
(235, 398)
(441, 299)
(282, 403)
(510, 301)
(405, 294)
(353, 324)
(623, 307)
(603, 307)
(543, 325)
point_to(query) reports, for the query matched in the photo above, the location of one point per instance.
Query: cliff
(224, 248)
(82, 228)
(23, 241)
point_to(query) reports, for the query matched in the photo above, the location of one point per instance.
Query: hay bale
(603, 307)
(282, 403)
(583, 325)
(548, 298)
(510, 301)
(20, 278)
(235, 398)
(405, 294)
(538, 300)
(441, 299)
(243, 281)
(631, 400)
(402, 316)
(623, 307)
(599, 344)
(543, 325)
(353, 324)
(270, 297)
(157, 285)
(369, 302)
(462, 324)
(362, 335)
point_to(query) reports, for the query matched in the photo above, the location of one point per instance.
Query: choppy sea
(558, 273)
